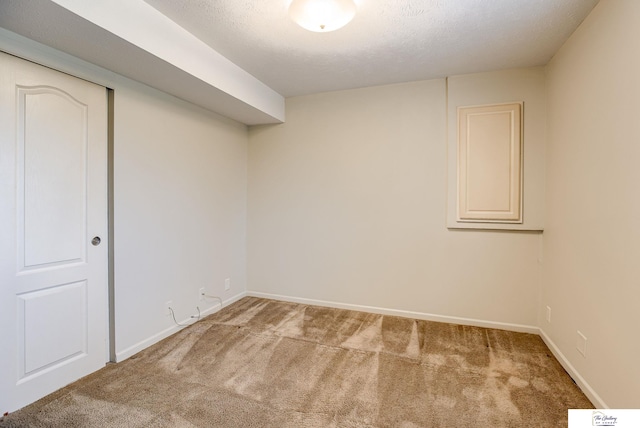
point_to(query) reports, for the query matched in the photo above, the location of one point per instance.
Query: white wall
(592, 238)
(180, 212)
(347, 204)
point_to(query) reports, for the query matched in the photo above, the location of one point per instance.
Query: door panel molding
(45, 170)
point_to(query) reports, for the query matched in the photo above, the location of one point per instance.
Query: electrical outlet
(168, 305)
(549, 314)
(201, 293)
(581, 344)
(227, 284)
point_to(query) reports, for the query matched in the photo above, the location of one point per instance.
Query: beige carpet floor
(265, 363)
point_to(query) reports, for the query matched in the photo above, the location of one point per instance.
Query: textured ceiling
(387, 41)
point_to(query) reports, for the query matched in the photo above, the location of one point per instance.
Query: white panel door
(53, 185)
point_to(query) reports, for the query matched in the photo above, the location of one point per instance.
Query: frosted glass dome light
(322, 15)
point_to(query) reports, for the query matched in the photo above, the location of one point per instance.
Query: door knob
(96, 241)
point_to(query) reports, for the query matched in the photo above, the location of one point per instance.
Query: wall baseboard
(591, 394)
(400, 313)
(132, 350)
(580, 381)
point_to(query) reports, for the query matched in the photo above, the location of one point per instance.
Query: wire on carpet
(173, 315)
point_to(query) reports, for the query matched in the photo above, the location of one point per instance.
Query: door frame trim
(111, 298)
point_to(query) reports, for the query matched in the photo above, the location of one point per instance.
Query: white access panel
(490, 163)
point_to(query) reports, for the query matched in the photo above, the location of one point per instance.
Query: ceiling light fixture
(322, 15)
